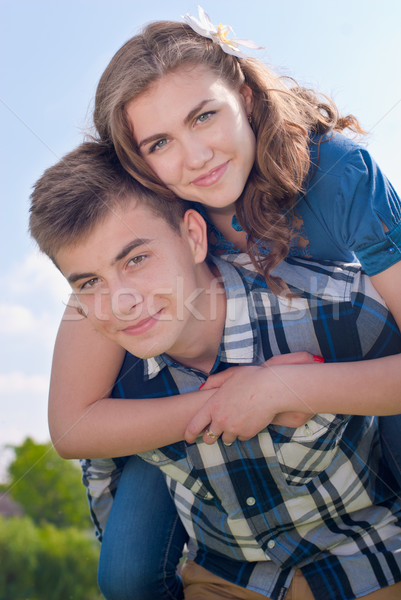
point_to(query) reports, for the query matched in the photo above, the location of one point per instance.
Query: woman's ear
(195, 228)
(247, 97)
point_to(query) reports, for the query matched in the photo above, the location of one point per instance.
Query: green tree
(19, 547)
(39, 563)
(48, 487)
(67, 564)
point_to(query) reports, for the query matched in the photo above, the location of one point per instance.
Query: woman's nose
(197, 153)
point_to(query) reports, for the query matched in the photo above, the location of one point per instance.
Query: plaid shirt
(307, 498)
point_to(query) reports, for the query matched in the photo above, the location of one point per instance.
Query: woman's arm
(256, 394)
(84, 422)
(388, 284)
(371, 387)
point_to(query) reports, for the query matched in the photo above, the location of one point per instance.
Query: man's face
(138, 280)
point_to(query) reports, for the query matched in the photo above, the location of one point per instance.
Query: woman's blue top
(349, 209)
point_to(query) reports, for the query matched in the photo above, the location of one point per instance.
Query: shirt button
(155, 458)
(391, 250)
(271, 544)
(251, 501)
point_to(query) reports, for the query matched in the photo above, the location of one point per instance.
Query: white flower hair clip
(205, 28)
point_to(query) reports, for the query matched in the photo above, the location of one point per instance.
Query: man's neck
(203, 341)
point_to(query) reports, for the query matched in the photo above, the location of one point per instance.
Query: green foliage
(19, 545)
(67, 564)
(48, 487)
(52, 552)
(39, 563)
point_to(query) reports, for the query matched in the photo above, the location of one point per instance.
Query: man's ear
(195, 228)
(247, 97)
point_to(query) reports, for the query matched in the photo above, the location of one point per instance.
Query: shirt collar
(239, 340)
(238, 344)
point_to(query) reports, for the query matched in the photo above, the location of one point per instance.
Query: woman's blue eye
(158, 145)
(205, 116)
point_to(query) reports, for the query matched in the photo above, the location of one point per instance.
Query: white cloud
(20, 383)
(35, 274)
(15, 319)
(33, 294)
(23, 412)
(33, 297)
(20, 321)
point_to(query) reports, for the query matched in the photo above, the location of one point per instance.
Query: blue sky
(52, 55)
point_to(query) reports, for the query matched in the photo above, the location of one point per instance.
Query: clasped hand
(247, 399)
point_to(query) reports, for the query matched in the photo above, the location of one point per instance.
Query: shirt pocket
(306, 452)
(179, 469)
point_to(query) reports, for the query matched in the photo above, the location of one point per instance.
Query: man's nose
(126, 302)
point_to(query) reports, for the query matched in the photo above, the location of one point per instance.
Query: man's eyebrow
(74, 277)
(129, 247)
(188, 118)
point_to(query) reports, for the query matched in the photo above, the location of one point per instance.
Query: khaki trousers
(200, 584)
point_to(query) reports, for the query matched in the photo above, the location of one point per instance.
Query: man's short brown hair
(81, 190)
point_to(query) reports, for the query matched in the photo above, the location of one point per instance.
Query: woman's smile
(212, 177)
(193, 131)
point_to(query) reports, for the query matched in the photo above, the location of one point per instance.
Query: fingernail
(318, 359)
(228, 443)
(201, 386)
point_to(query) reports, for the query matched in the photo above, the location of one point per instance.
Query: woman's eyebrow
(152, 138)
(192, 113)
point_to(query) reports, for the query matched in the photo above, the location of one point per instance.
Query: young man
(304, 502)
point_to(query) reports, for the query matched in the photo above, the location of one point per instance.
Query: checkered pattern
(306, 498)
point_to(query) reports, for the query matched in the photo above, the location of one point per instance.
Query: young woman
(268, 165)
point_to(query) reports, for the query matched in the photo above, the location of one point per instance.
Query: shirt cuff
(379, 257)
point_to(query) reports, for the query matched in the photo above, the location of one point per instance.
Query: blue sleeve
(347, 202)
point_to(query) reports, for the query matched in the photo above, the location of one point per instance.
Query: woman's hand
(245, 402)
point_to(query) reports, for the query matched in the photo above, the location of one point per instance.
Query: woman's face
(193, 131)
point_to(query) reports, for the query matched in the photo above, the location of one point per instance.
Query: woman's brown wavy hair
(284, 117)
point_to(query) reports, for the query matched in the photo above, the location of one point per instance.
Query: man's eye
(137, 259)
(89, 284)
